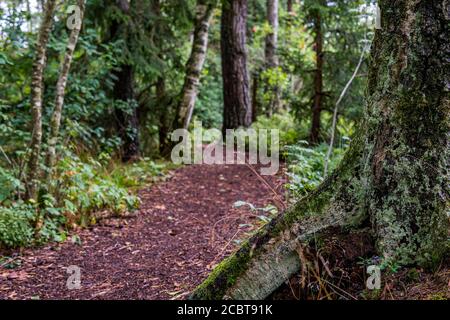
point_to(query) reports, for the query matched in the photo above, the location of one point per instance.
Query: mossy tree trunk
(395, 174)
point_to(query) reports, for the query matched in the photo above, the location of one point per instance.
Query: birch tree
(55, 122)
(205, 9)
(37, 89)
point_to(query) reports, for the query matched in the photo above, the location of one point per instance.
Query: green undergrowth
(81, 188)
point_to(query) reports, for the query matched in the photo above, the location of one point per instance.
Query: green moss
(224, 275)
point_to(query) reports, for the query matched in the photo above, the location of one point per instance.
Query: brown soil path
(183, 228)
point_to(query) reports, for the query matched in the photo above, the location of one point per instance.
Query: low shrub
(15, 227)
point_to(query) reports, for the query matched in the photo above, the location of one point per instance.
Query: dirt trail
(184, 226)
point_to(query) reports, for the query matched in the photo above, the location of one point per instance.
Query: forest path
(184, 226)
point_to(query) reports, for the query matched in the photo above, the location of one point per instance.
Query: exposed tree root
(270, 257)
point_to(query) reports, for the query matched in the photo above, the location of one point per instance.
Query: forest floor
(184, 227)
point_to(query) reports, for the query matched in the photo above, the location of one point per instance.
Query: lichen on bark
(406, 151)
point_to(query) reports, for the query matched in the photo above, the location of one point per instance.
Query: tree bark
(126, 118)
(205, 9)
(237, 107)
(55, 122)
(126, 114)
(290, 6)
(394, 176)
(36, 97)
(271, 54)
(318, 79)
(164, 127)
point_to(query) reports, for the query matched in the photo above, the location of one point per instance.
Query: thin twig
(336, 108)
(280, 199)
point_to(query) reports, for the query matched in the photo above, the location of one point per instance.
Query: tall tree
(237, 106)
(318, 76)
(271, 54)
(205, 9)
(290, 6)
(36, 97)
(126, 108)
(395, 175)
(55, 122)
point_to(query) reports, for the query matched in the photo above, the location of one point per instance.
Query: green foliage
(208, 108)
(157, 46)
(285, 123)
(139, 173)
(345, 33)
(15, 227)
(80, 188)
(85, 187)
(306, 166)
(9, 185)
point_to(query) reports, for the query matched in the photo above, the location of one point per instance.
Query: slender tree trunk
(290, 6)
(30, 22)
(55, 122)
(394, 176)
(37, 89)
(271, 54)
(164, 126)
(194, 67)
(336, 109)
(255, 102)
(318, 79)
(126, 114)
(237, 106)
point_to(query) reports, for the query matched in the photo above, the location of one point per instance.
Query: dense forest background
(110, 97)
(92, 90)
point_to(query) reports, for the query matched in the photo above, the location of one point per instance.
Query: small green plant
(412, 275)
(85, 187)
(285, 123)
(264, 214)
(9, 185)
(10, 262)
(15, 227)
(306, 166)
(438, 296)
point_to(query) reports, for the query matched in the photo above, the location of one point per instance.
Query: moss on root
(224, 275)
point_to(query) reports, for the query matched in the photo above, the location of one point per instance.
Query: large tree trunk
(126, 114)
(36, 97)
(237, 107)
(395, 174)
(318, 79)
(55, 121)
(194, 67)
(271, 55)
